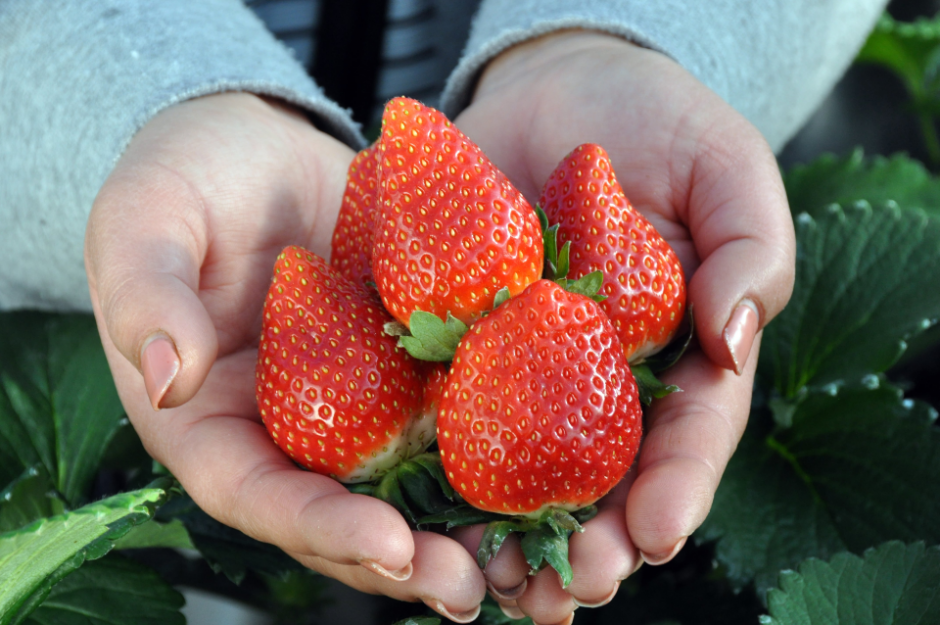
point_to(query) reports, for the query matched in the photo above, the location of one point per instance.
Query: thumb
(743, 233)
(144, 247)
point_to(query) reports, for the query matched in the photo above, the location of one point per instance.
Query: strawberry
(644, 284)
(334, 391)
(451, 229)
(540, 410)
(355, 226)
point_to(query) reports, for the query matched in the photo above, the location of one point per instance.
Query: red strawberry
(644, 283)
(335, 392)
(355, 226)
(452, 230)
(540, 409)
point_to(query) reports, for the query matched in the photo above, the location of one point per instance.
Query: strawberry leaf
(857, 467)
(868, 279)
(893, 583)
(34, 558)
(648, 385)
(432, 338)
(226, 549)
(58, 404)
(845, 180)
(389, 490)
(113, 589)
(563, 262)
(28, 498)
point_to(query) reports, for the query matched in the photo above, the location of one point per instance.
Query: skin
(183, 235)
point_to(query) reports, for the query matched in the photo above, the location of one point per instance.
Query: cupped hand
(179, 252)
(709, 183)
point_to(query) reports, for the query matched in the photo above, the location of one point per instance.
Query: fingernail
(459, 617)
(603, 601)
(567, 621)
(740, 332)
(509, 594)
(512, 612)
(639, 565)
(159, 363)
(398, 576)
(662, 558)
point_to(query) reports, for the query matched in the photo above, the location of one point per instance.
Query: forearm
(773, 61)
(79, 78)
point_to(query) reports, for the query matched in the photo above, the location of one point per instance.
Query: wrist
(527, 58)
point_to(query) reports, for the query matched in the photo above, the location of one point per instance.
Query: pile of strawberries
(452, 310)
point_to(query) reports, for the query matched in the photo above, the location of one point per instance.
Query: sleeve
(773, 61)
(78, 78)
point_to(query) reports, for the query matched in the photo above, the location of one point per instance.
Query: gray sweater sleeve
(772, 60)
(77, 79)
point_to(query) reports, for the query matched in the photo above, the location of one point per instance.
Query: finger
(144, 248)
(221, 453)
(506, 574)
(603, 555)
(545, 601)
(690, 439)
(446, 578)
(742, 230)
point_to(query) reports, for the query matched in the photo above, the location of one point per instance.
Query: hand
(709, 183)
(179, 252)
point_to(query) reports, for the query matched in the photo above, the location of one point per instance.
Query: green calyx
(557, 263)
(416, 487)
(544, 540)
(429, 337)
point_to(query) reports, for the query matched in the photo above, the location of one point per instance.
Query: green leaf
(421, 488)
(58, 404)
(846, 180)
(648, 385)
(494, 535)
(431, 338)
(543, 544)
(501, 297)
(28, 498)
(389, 490)
(856, 468)
(113, 590)
(172, 535)
(460, 516)
(432, 464)
(893, 584)
(226, 549)
(668, 356)
(491, 614)
(588, 285)
(867, 280)
(419, 620)
(550, 241)
(904, 48)
(35, 557)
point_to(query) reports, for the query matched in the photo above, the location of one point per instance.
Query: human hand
(709, 183)
(179, 251)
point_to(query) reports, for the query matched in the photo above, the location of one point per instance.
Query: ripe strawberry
(540, 409)
(644, 283)
(335, 392)
(452, 230)
(355, 226)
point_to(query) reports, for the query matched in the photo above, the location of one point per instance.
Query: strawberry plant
(827, 513)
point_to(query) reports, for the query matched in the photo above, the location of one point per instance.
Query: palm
(684, 159)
